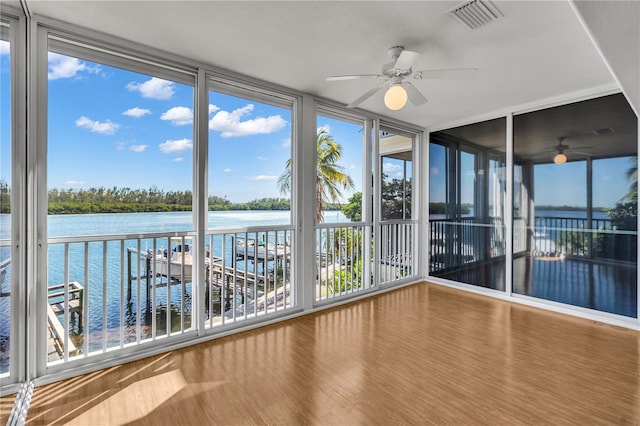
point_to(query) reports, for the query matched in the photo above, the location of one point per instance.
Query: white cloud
(4, 47)
(74, 183)
(261, 158)
(136, 112)
(120, 145)
(61, 66)
(228, 170)
(230, 124)
(262, 178)
(213, 108)
(178, 159)
(156, 88)
(388, 167)
(138, 148)
(178, 116)
(325, 128)
(104, 128)
(170, 147)
(286, 143)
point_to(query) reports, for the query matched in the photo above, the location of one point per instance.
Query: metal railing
(248, 274)
(342, 259)
(598, 239)
(110, 292)
(397, 249)
(5, 306)
(455, 243)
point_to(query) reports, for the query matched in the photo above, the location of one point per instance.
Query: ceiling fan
(394, 75)
(560, 157)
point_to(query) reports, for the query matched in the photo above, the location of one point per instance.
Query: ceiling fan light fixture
(396, 97)
(560, 158)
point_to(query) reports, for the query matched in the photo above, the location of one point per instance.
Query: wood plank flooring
(423, 354)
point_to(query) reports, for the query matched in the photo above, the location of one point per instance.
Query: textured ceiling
(538, 50)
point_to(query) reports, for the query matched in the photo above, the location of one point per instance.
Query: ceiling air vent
(476, 13)
(604, 132)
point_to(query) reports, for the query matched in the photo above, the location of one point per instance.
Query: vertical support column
(367, 198)
(589, 223)
(304, 201)
(508, 222)
(200, 199)
(371, 199)
(20, 229)
(37, 94)
(420, 200)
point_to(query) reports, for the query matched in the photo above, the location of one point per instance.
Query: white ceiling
(538, 50)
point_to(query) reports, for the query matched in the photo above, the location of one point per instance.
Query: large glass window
(466, 204)
(339, 173)
(249, 241)
(575, 237)
(397, 234)
(396, 156)
(5, 199)
(249, 162)
(119, 162)
(341, 185)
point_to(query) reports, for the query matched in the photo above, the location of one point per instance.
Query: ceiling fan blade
(352, 77)
(450, 73)
(366, 96)
(586, 154)
(414, 94)
(406, 59)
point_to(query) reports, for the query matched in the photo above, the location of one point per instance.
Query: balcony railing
(125, 290)
(397, 249)
(248, 274)
(468, 240)
(112, 292)
(342, 259)
(598, 239)
(455, 243)
(115, 292)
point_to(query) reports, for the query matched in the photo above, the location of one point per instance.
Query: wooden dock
(55, 308)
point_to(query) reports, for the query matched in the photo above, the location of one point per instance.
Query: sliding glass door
(575, 206)
(466, 205)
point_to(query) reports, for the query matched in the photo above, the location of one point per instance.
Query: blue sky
(554, 185)
(5, 113)
(110, 127)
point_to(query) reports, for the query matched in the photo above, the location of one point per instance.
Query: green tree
(396, 198)
(331, 178)
(5, 197)
(353, 210)
(632, 175)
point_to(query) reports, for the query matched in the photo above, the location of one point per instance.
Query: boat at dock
(176, 261)
(249, 248)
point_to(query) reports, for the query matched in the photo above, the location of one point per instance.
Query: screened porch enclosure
(574, 213)
(467, 204)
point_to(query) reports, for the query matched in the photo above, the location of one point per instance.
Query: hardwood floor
(423, 354)
(589, 283)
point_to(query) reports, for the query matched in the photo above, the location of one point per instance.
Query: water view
(109, 297)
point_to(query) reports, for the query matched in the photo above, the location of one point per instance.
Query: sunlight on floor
(135, 401)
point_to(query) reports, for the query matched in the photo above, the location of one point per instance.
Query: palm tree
(331, 178)
(632, 175)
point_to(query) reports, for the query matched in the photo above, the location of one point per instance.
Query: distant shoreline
(570, 208)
